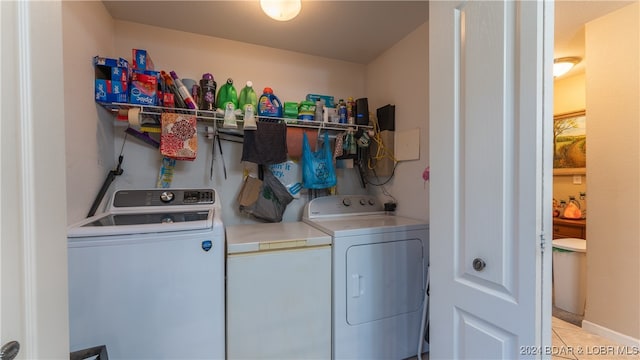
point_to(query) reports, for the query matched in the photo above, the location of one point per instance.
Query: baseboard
(610, 334)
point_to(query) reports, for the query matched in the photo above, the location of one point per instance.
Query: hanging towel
(179, 137)
(266, 145)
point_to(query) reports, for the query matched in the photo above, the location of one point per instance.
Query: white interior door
(490, 111)
(33, 262)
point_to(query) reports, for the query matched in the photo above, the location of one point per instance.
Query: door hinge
(543, 242)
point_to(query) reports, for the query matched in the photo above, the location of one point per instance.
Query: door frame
(33, 261)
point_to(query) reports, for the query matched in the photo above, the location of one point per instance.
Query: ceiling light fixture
(562, 65)
(281, 10)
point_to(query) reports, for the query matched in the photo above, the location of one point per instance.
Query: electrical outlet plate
(407, 144)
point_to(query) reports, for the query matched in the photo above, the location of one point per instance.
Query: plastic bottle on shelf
(342, 111)
(228, 102)
(319, 110)
(269, 105)
(351, 108)
(247, 97)
(207, 99)
(248, 102)
(184, 92)
(227, 94)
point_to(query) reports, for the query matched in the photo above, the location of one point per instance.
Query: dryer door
(384, 280)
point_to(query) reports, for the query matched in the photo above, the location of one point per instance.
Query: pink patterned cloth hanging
(179, 138)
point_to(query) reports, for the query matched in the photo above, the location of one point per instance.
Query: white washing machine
(278, 292)
(380, 263)
(146, 278)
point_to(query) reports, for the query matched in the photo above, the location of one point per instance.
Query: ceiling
(354, 31)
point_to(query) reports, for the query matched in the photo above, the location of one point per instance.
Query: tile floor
(569, 341)
(572, 342)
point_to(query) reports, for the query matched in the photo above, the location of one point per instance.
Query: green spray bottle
(248, 102)
(228, 101)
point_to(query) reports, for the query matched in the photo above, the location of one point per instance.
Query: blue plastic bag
(318, 171)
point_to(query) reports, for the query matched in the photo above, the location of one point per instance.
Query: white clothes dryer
(380, 263)
(146, 278)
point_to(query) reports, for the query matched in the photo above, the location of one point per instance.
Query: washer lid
(140, 223)
(273, 236)
(571, 244)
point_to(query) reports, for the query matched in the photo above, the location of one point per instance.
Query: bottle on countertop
(583, 198)
(207, 98)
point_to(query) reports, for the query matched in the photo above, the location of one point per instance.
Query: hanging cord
(382, 152)
(385, 192)
(107, 182)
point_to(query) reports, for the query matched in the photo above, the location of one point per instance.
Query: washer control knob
(363, 202)
(166, 196)
(346, 202)
(372, 202)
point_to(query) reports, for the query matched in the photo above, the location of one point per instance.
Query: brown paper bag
(250, 191)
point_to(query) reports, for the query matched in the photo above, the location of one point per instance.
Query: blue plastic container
(269, 105)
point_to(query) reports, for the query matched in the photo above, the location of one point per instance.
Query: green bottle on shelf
(247, 96)
(248, 102)
(227, 94)
(228, 102)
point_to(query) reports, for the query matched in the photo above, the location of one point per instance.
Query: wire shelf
(214, 116)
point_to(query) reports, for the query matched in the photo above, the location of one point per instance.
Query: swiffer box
(141, 60)
(111, 78)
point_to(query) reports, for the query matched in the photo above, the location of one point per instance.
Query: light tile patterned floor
(572, 342)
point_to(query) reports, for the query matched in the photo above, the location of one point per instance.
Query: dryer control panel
(343, 205)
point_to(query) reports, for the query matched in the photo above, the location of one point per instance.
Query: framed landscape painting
(570, 143)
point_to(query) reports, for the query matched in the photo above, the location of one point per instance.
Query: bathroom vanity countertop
(569, 228)
(563, 221)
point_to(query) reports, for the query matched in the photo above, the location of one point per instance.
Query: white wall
(291, 76)
(400, 76)
(87, 31)
(569, 94)
(613, 233)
